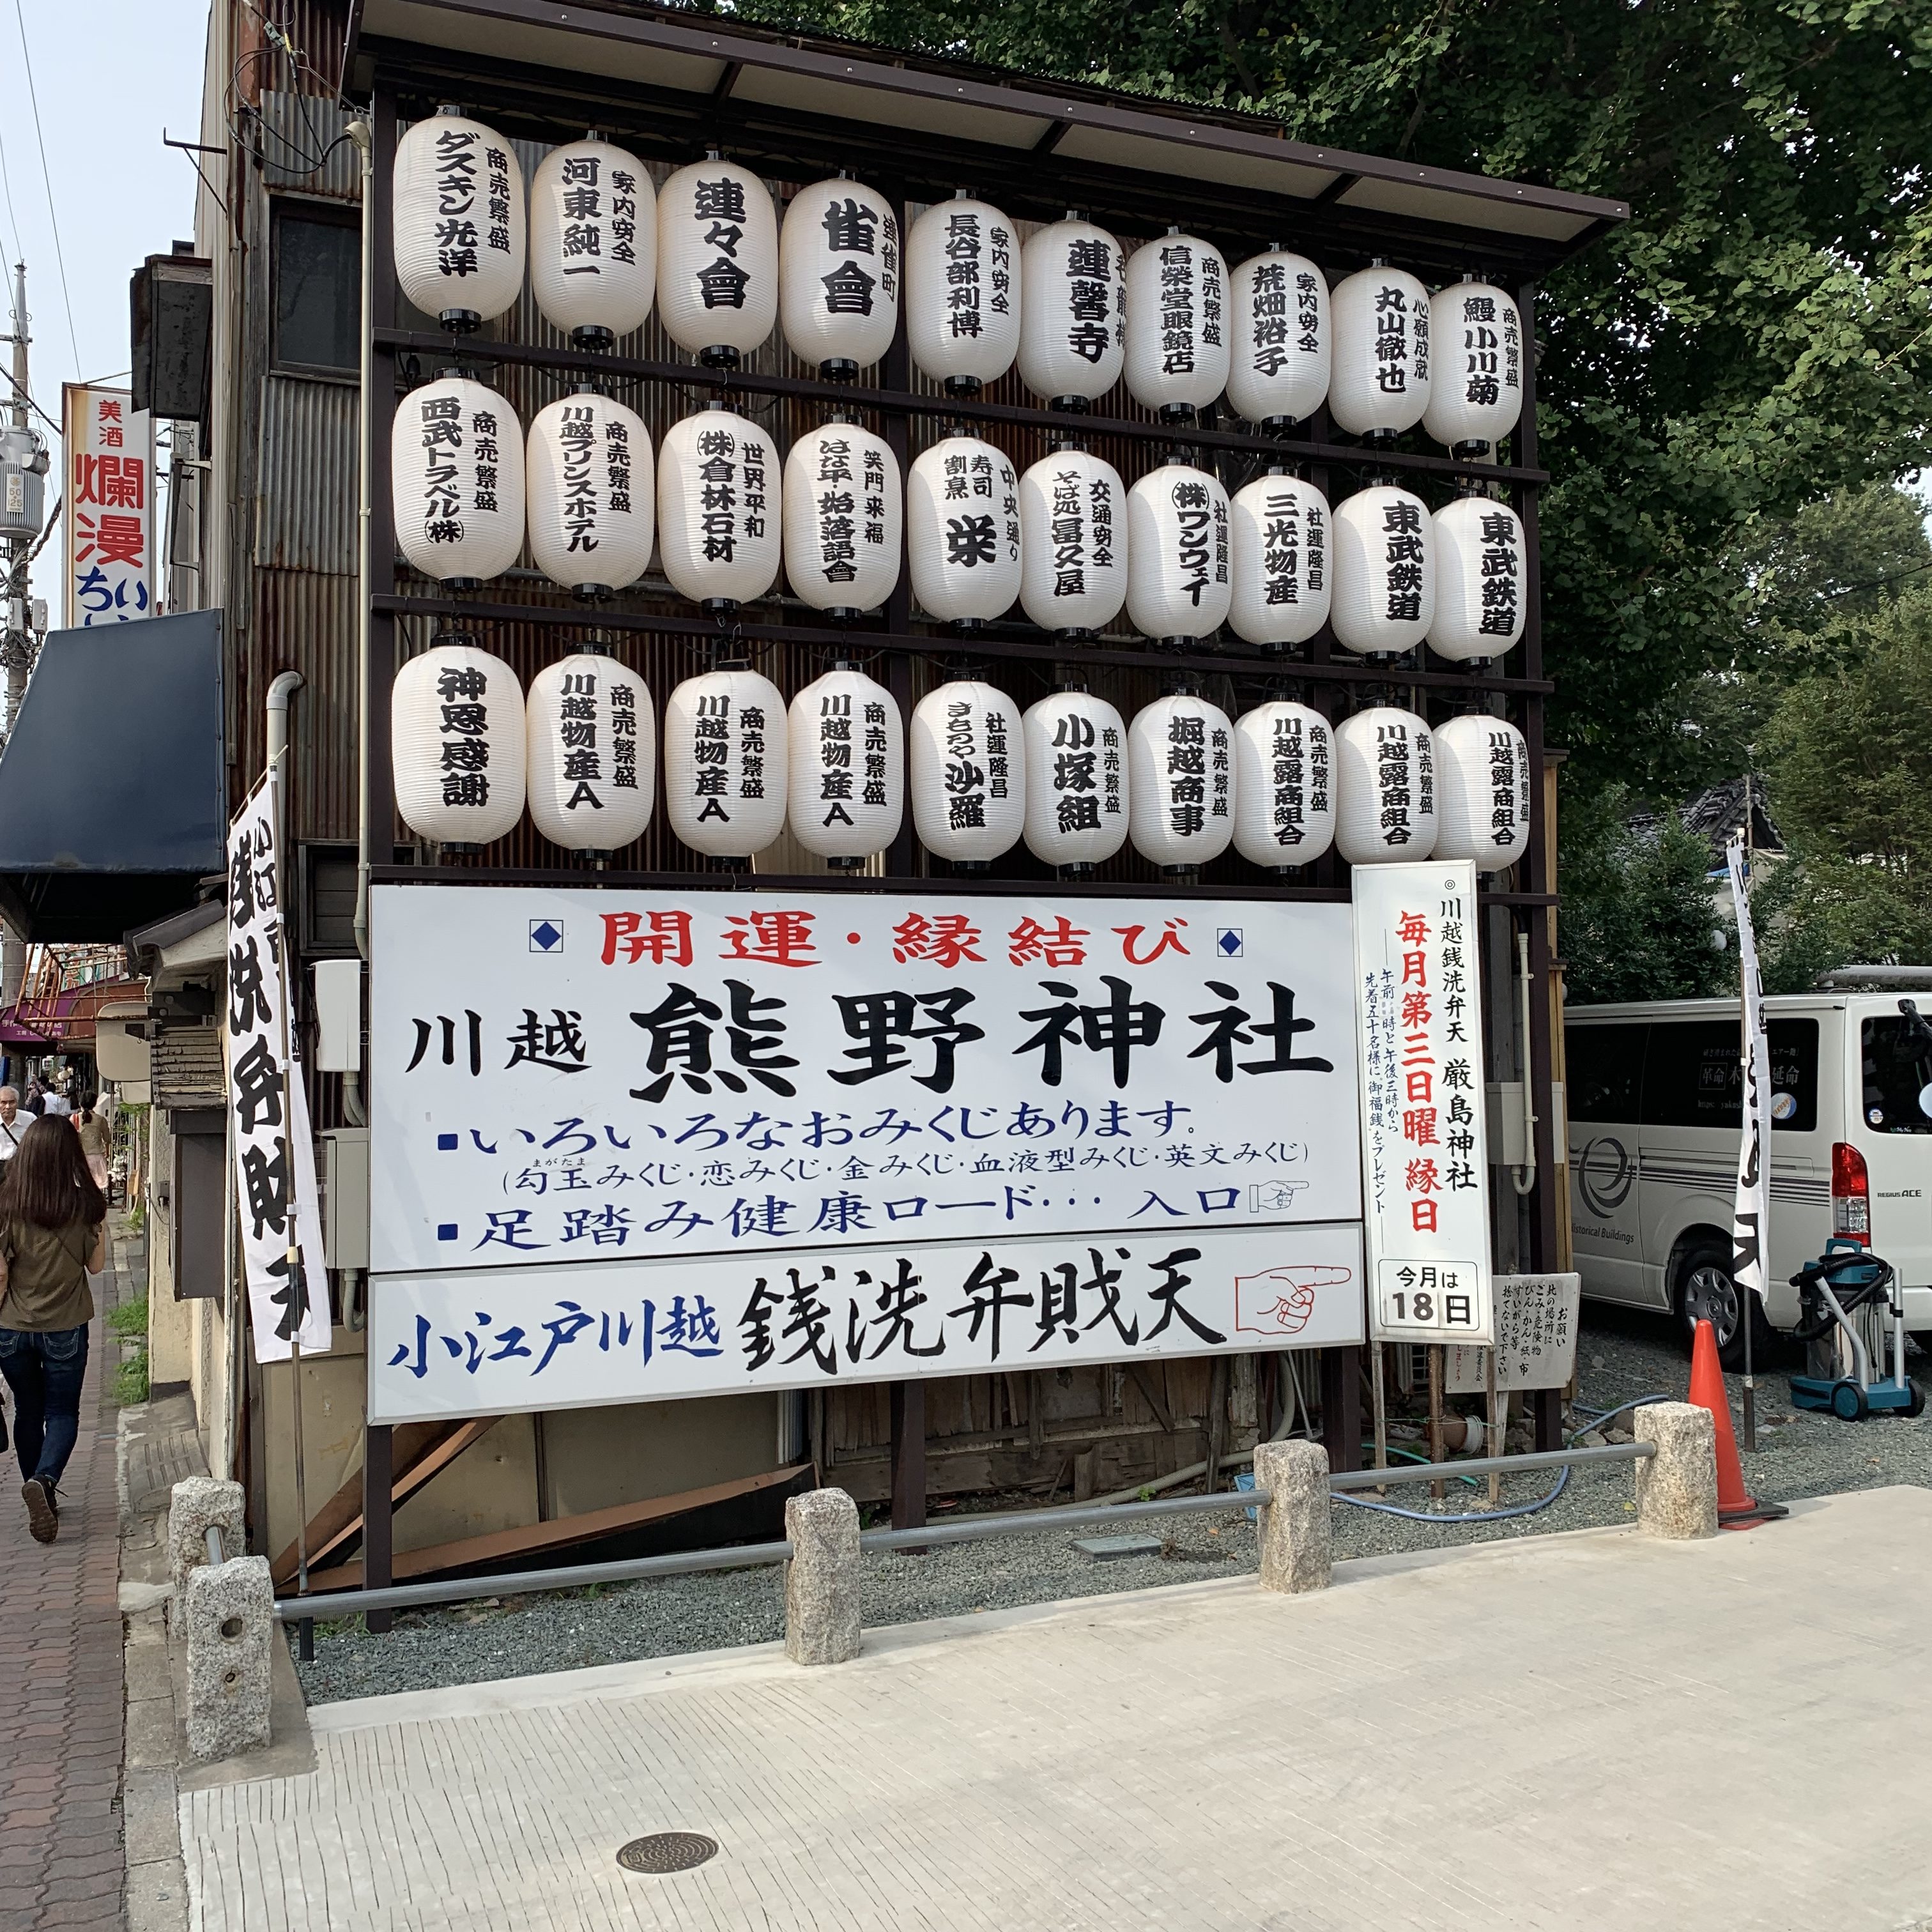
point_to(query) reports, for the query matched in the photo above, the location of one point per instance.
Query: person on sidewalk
(13, 1124)
(53, 1235)
(96, 1141)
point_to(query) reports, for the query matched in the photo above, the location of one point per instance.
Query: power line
(46, 176)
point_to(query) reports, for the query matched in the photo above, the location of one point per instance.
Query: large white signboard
(108, 528)
(1425, 1176)
(558, 1335)
(596, 1104)
(563, 1076)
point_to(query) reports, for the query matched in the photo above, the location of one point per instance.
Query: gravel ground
(1621, 1355)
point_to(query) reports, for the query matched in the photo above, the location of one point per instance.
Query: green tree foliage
(1757, 336)
(1638, 914)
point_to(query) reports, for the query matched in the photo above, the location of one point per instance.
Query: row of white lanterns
(1069, 777)
(1067, 539)
(1071, 307)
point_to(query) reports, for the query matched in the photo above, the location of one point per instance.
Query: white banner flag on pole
(1751, 1221)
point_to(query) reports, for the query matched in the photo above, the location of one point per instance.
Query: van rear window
(1602, 1068)
(1897, 1073)
(1692, 1076)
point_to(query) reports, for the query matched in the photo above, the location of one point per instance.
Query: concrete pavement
(1592, 1728)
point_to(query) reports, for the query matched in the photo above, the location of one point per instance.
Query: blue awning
(112, 798)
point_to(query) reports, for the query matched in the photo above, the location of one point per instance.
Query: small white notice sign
(1536, 1336)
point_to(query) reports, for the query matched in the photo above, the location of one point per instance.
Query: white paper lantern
(591, 492)
(718, 261)
(456, 745)
(593, 240)
(1179, 561)
(1480, 580)
(1475, 390)
(727, 760)
(457, 209)
(1176, 359)
(963, 530)
(1282, 585)
(1385, 786)
(1073, 542)
(1181, 777)
(1378, 383)
(1073, 332)
(846, 793)
(456, 475)
(967, 769)
(1076, 780)
(838, 276)
(1278, 359)
(962, 293)
(844, 514)
(591, 770)
(1482, 777)
(720, 509)
(1384, 570)
(1284, 784)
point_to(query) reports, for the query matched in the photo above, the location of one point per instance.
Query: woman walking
(97, 1140)
(53, 1237)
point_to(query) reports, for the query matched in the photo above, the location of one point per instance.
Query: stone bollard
(197, 1504)
(1293, 1526)
(229, 1624)
(821, 1581)
(1677, 1488)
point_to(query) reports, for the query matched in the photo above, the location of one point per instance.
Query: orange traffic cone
(1737, 1508)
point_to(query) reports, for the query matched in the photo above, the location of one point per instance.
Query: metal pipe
(285, 685)
(970, 1529)
(1525, 1176)
(363, 136)
(215, 1544)
(1483, 1465)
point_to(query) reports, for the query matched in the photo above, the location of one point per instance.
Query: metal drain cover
(667, 1851)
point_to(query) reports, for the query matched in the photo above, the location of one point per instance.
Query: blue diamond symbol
(1227, 941)
(545, 936)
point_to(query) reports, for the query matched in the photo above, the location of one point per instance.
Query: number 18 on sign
(1425, 1173)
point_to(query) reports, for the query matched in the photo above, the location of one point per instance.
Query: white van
(1653, 1104)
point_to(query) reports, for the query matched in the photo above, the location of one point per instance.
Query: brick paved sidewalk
(61, 1861)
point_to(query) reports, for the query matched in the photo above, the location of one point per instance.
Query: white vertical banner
(274, 1159)
(107, 538)
(1750, 1218)
(1425, 1155)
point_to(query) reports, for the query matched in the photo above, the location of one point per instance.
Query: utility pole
(19, 644)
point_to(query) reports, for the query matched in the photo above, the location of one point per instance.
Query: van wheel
(1705, 1292)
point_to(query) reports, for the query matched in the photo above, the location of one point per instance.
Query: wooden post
(908, 1407)
(1342, 1407)
(1436, 1489)
(1215, 1424)
(378, 1518)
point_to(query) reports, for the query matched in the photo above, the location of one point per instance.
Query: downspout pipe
(363, 135)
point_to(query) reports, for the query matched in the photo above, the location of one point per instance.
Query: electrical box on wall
(345, 1207)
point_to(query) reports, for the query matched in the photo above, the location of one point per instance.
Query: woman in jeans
(52, 1236)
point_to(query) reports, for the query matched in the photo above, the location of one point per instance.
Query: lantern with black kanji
(1385, 786)
(718, 261)
(1482, 779)
(1282, 589)
(1384, 570)
(962, 293)
(591, 492)
(1475, 388)
(456, 206)
(1181, 777)
(457, 745)
(721, 512)
(838, 277)
(967, 772)
(1481, 579)
(963, 531)
(843, 518)
(846, 799)
(1279, 348)
(1076, 780)
(1073, 332)
(593, 240)
(1284, 785)
(1180, 561)
(1073, 542)
(1378, 378)
(591, 768)
(456, 479)
(1176, 359)
(726, 758)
